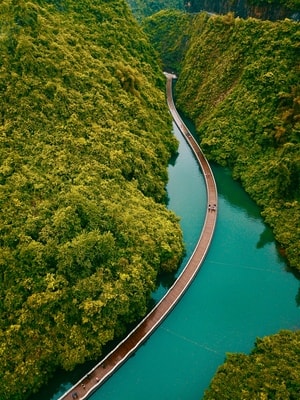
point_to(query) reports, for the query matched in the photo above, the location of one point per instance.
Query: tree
(270, 371)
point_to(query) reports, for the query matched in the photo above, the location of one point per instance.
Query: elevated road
(127, 347)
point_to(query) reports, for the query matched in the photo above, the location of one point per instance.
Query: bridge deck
(102, 371)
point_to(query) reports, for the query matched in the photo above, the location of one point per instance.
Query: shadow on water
(238, 200)
(265, 237)
(62, 380)
(297, 298)
(166, 279)
(172, 162)
(173, 158)
(296, 275)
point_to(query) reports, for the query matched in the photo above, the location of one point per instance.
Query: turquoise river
(243, 291)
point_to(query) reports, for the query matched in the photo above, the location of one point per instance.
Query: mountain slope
(85, 143)
(263, 9)
(270, 371)
(239, 82)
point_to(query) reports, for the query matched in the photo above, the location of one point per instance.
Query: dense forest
(263, 9)
(145, 8)
(238, 81)
(85, 143)
(270, 371)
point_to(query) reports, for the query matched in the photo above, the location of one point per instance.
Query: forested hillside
(144, 8)
(271, 371)
(85, 143)
(263, 9)
(239, 82)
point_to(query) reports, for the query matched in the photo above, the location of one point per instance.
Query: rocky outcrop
(243, 8)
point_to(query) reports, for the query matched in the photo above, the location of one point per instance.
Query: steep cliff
(239, 83)
(85, 143)
(272, 9)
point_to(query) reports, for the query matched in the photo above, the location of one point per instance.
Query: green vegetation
(271, 371)
(262, 9)
(169, 31)
(239, 82)
(289, 4)
(145, 8)
(85, 143)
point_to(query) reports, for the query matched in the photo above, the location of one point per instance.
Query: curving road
(127, 347)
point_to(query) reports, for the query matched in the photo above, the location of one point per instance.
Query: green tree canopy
(239, 82)
(85, 142)
(270, 371)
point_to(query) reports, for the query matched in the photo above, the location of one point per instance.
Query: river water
(242, 291)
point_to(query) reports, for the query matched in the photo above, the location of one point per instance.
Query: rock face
(244, 8)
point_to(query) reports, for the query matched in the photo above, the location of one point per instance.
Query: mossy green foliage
(169, 31)
(265, 9)
(85, 142)
(145, 8)
(239, 82)
(289, 4)
(271, 371)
